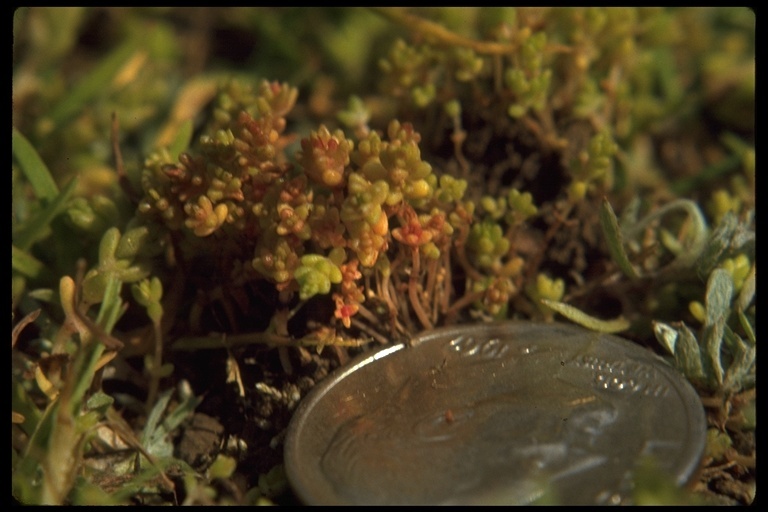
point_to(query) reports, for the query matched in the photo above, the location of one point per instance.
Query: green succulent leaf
(315, 275)
(131, 243)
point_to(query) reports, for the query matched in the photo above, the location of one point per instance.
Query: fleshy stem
(457, 138)
(383, 284)
(468, 299)
(446, 279)
(431, 287)
(413, 291)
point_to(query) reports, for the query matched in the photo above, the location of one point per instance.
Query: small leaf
(45, 385)
(274, 482)
(713, 340)
(716, 245)
(43, 295)
(719, 293)
(747, 292)
(154, 438)
(99, 402)
(182, 411)
(688, 355)
(87, 493)
(747, 326)
(737, 377)
(131, 242)
(165, 370)
(222, 467)
(744, 236)
(613, 237)
(671, 242)
(718, 443)
(108, 245)
(608, 326)
(666, 336)
(741, 371)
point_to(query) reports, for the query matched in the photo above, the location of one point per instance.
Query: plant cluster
(343, 210)
(477, 182)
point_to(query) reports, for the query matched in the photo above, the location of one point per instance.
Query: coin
(503, 413)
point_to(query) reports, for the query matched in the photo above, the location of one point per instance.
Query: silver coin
(504, 413)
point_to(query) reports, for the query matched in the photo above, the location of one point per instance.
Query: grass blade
(37, 226)
(33, 167)
(612, 233)
(95, 82)
(576, 315)
(29, 266)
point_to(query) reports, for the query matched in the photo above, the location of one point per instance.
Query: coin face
(505, 413)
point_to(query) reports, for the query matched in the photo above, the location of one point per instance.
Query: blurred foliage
(365, 174)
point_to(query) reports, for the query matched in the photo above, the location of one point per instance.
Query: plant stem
(413, 291)
(460, 304)
(157, 362)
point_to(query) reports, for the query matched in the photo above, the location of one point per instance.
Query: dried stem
(431, 287)
(383, 285)
(447, 283)
(370, 331)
